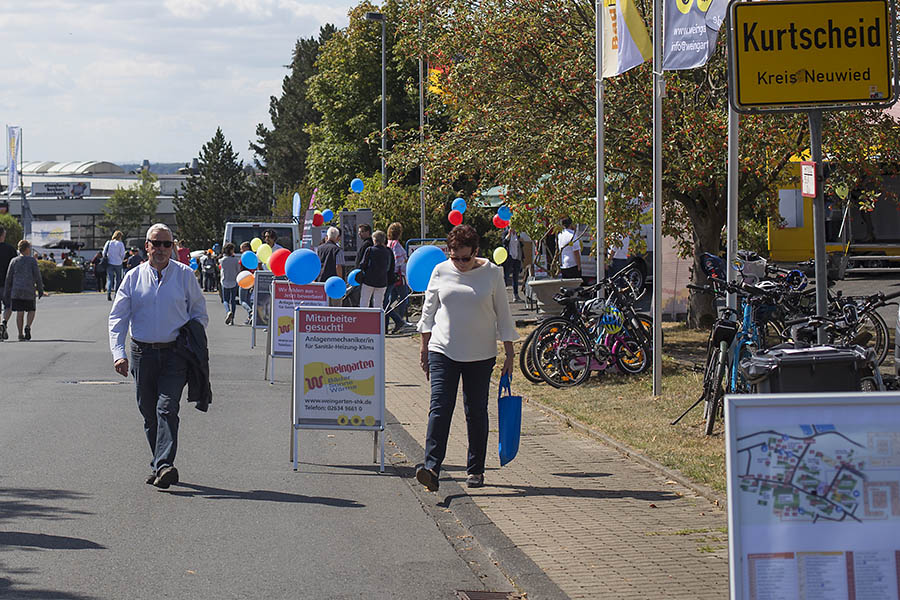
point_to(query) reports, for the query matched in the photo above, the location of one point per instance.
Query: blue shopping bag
(509, 418)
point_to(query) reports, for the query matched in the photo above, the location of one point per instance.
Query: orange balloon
(245, 279)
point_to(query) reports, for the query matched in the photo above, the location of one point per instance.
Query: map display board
(286, 297)
(814, 496)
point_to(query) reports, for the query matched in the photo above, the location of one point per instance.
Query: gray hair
(379, 238)
(333, 233)
(159, 227)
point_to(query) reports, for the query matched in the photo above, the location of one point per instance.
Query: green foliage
(13, 228)
(284, 202)
(128, 208)
(346, 90)
(61, 279)
(282, 150)
(221, 192)
(398, 203)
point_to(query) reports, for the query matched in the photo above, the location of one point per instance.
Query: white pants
(371, 293)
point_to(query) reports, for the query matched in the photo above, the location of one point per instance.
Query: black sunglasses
(463, 259)
(163, 243)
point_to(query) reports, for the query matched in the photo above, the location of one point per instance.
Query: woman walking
(378, 265)
(114, 251)
(22, 278)
(466, 311)
(230, 267)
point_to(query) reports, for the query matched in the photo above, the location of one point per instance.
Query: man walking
(7, 253)
(158, 298)
(569, 251)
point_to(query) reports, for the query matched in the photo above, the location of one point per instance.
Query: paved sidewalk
(597, 523)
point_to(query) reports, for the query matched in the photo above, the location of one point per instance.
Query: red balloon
(455, 217)
(277, 260)
(500, 223)
(318, 220)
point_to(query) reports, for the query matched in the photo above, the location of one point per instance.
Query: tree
(519, 99)
(346, 90)
(128, 208)
(14, 231)
(221, 192)
(282, 150)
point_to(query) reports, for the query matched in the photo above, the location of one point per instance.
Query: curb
(718, 500)
(523, 572)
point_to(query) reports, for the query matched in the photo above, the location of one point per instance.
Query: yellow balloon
(255, 243)
(500, 255)
(263, 252)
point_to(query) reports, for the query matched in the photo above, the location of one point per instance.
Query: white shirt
(467, 313)
(155, 308)
(115, 252)
(568, 245)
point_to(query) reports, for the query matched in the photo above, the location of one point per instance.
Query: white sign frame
(297, 378)
(746, 413)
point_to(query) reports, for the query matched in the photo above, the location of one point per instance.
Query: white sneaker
(229, 318)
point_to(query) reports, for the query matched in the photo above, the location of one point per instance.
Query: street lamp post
(375, 16)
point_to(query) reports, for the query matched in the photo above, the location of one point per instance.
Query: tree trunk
(707, 223)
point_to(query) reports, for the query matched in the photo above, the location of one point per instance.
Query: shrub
(61, 279)
(13, 229)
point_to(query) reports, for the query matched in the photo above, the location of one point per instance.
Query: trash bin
(545, 289)
(815, 369)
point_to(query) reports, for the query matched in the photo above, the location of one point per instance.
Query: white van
(237, 233)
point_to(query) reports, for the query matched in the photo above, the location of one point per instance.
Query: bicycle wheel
(526, 362)
(871, 332)
(717, 392)
(631, 356)
(562, 353)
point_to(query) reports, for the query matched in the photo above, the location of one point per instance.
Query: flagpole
(732, 223)
(600, 206)
(658, 91)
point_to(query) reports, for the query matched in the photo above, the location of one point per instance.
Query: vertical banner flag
(691, 29)
(13, 141)
(626, 43)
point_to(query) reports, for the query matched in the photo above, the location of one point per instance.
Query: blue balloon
(351, 278)
(357, 185)
(302, 266)
(249, 259)
(504, 213)
(327, 215)
(421, 264)
(194, 264)
(335, 287)
(458, 204)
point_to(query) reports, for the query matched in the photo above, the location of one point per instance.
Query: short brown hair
(23, 245)
(395, 230)
(229, 249)
(463, 236)
(364, 227)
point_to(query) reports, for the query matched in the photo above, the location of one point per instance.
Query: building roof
(86, 167)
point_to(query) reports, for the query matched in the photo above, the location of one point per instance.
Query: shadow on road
(8, 588)
(566, 492)
(64, 341)
(30, 503)
(212, 493)
(49, 542)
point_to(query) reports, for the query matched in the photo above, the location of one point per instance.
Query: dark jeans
(476, 378)
(101, 280)
(160, 377)
(230, 298)
(511, 268)
(398, 315)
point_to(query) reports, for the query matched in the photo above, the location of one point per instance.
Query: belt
(154, 345)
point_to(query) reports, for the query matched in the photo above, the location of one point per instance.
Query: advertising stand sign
(286, 297)
(338, 374)
(262, 291)
(814, 495)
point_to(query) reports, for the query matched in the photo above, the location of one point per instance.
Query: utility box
(815, 369)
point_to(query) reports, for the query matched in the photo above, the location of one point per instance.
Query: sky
(124, 81)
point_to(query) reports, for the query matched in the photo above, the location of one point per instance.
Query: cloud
(102, 79)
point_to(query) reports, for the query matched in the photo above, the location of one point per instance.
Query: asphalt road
(78, 522)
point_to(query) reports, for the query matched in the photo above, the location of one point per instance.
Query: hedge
(61, 279)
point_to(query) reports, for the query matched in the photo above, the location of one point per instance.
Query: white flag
(625, 40)
(13, 142)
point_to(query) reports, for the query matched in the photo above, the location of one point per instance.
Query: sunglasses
(163, 243)
(462, 259)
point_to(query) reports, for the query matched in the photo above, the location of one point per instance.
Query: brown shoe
(428, 478)
(167, 476)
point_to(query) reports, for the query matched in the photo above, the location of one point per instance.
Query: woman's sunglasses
(462, 259)
(163, 243)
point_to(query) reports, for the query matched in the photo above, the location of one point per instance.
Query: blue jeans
(230, 298)
(114, 274)
(398, 315)
(160, 377)
(245, 297)
(444, 373)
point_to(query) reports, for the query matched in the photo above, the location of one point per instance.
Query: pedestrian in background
(271, 238)
(7, 253)
(23, 278)
(114, 251)
(569, 251)
(230, 266)
(134, 259)
(465, 311)
(398, 290)
(245, 295)
(512, 266)
(183, 253)
(378, 272)
(166, 310)
(99, 270)
(331, 255)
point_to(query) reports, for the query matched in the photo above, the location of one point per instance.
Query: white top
(467, 313)
(155, 308)
(115, 252)
(568, 245)
(399, 256)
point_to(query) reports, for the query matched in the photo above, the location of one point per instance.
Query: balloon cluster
(503, 217)
(457, 208)
(322, 217)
